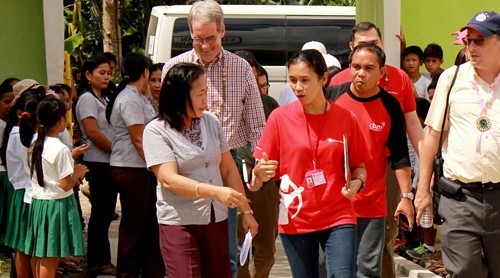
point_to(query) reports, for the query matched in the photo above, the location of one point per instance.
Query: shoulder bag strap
(438, 155)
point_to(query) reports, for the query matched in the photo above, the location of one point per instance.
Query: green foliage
(72, 43)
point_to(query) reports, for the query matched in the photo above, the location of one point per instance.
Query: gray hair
(206, 11)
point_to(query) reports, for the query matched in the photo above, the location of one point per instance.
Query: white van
(271, 32)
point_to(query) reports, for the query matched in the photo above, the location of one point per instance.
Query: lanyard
(314, 150)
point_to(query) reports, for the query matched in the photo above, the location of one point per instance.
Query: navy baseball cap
(486, 23)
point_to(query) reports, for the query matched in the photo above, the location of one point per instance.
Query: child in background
(68, 102)
(428, 237)
(54, 230)
(6, 97)
(433, 59)
(432, 87)
(413, 58)
(63, 95)
(6, 191)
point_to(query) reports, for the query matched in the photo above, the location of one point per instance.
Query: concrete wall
(433, 21)
(24, 47)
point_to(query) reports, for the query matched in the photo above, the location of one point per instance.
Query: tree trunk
(112, 35)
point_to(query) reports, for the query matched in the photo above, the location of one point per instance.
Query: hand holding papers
(245, 248)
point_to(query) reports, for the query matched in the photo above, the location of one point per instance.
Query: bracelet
(247, 212)
(362, 183)
(197, 191)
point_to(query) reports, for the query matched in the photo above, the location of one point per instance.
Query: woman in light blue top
(138, 240)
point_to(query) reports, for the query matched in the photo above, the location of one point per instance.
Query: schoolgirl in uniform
(54, 228)
(18, 172)
(6, 96)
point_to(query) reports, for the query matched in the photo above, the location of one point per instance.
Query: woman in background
(138, 240)
(97, 133)
(155, 84)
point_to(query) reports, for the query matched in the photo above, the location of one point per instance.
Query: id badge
(315, 178)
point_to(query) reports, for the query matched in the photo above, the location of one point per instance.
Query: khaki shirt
(461, 159)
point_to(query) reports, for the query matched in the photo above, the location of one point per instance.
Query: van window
(333, 33)
(264, 37)
(272, 40)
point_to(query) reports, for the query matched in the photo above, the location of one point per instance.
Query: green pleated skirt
(6, 192)
(15, 236)
(54, 229)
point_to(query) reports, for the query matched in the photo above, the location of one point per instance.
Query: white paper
(245, 248)
(244, 170)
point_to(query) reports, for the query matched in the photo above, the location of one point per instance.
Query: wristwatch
(408, 195)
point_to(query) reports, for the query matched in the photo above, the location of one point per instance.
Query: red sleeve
(408, 104)
(341, 78)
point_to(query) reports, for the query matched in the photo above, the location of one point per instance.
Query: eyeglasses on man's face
(265, 86)
(208, 40)
(479, 41)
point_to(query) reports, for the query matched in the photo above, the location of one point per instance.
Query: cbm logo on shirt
(375, 127)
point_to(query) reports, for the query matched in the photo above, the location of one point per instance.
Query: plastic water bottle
(426, 219)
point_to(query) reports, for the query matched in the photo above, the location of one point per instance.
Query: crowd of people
(203, 159)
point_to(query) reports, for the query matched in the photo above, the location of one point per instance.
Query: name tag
(315, 178)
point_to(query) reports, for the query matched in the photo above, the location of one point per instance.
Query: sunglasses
(479, 41)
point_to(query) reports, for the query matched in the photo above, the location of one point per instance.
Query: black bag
(438, 163)
(436, 194)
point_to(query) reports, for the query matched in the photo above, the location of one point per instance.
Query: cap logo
(482, 17)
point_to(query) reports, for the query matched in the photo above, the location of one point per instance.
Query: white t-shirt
(287, 95)
(17, 163)
(66, 139)
(57, 164)
(89, 106)
(421, 86)
(130, 108)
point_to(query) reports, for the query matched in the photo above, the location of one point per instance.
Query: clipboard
(347, 172)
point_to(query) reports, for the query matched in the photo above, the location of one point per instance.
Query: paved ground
(281, 269)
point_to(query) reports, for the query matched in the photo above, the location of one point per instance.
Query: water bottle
(426, 219)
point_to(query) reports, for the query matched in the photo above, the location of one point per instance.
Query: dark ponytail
(133, 66)
(49, 111)
(28, 122)
(19, 105)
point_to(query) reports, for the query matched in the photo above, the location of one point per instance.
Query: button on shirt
(242, 116)
(461, 160)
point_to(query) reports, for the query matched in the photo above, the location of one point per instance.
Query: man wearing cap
(471, 150)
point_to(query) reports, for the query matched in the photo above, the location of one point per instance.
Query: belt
(479, 185)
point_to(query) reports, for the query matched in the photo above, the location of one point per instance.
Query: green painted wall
(433, 21)
(22, 45)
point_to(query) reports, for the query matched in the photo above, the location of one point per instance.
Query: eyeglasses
(265, 86)
(479, 41)
(209, 40)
